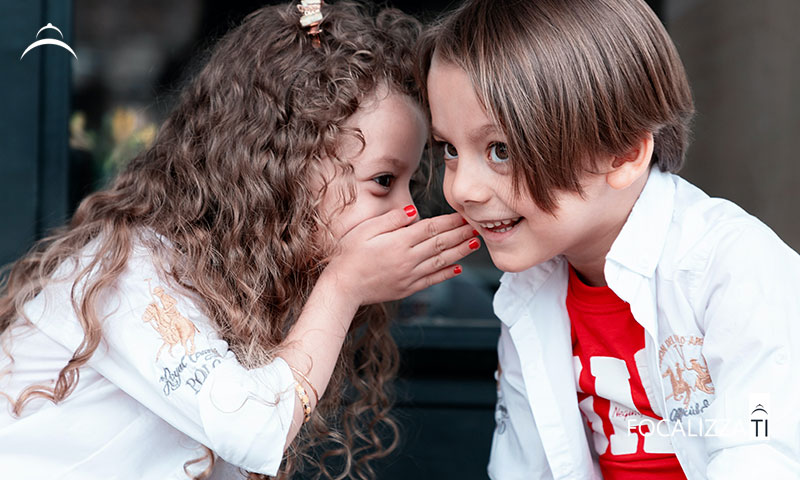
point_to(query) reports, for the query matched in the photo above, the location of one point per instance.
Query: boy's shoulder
(708, 234)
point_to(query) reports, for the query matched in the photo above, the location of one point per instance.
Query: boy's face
(395, 132)
(478, 185)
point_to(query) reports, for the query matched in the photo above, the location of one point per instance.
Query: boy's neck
(592, 275)
(589, 259)
(590, 263)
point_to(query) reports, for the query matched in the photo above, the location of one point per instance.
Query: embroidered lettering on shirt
(174, 328)
(192, 371)
(500, 410)
(500, 414)
(692, 387)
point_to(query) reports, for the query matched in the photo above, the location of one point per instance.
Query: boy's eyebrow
(474, 136)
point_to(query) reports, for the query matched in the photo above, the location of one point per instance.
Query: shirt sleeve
(517, 452)
(161, 350)
(752, 347)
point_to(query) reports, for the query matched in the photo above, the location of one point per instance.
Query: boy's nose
(469, 185)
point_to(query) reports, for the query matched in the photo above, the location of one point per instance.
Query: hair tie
(312, 17)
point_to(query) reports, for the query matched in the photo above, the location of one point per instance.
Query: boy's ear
(627, 168)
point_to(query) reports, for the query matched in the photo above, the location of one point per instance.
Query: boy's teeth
(493, 225)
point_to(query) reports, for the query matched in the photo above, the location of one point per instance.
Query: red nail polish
(475, 233)
(474, 244)
(410, 211)
(464, 220)
(457, 269)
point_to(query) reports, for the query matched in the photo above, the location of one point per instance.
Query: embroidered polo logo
(680, 387)
(174, 328)
(703, 381)
(683, 363)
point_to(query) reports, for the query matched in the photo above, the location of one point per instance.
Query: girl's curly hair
(228, 184)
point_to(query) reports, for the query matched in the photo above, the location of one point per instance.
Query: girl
(661, 320)
(224, 289)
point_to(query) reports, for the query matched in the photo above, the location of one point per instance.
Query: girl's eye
(385, 180)
(450, 151)
(498, 152)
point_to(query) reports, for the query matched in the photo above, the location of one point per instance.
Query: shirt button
(781, 356)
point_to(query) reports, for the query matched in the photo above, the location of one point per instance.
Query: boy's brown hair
(568, 82)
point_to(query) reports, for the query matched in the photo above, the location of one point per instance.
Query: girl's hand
(389, 257)
(380, 259)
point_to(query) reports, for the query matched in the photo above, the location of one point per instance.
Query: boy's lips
(497, 223)
(498, 226)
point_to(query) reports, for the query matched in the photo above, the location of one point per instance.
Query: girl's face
(395, 132)
(478, 185)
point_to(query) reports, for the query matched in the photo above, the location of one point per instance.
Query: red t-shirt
(606, 341)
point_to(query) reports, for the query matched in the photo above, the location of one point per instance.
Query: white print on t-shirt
(612, 382)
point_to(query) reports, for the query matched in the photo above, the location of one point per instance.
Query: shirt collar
(636, 249)
(639, 245)
(518, 289)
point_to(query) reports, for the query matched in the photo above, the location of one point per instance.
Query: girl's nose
(401, 200)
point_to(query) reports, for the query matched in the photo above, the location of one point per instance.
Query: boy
(662, 321)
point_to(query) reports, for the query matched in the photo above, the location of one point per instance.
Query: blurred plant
(122, 135)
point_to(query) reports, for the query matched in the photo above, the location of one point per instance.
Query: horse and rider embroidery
(703, 381)
(682, 390)
(680, 387)
(174, 328)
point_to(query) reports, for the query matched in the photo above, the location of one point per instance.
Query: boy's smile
(499, 226)
(478, 184)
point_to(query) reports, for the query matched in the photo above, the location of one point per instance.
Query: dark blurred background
(67, 125)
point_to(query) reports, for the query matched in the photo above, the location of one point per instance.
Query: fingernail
(474, 233)
(474, 244)
(457, 269)
(411, 211)
(464, 220)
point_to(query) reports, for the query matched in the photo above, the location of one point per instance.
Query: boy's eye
(498, 152)
(450, 151)
(385, 180)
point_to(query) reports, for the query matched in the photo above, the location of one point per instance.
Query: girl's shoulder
(144, 279)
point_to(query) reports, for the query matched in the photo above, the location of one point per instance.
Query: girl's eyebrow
(389, 160)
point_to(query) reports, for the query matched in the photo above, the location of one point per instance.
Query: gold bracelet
(301, 393)
(308, 382)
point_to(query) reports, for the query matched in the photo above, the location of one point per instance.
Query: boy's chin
(510, 263)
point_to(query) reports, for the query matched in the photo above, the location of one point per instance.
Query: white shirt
(713, 287)
(161, 383)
